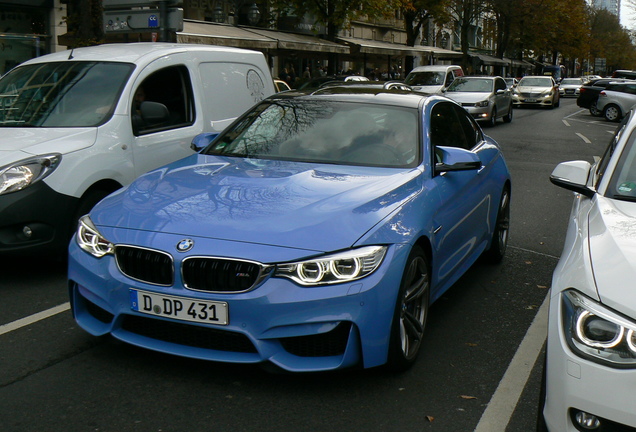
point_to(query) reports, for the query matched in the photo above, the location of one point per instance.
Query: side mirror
(153, 112)
(201, 141)
(573, 176)
(455, 159)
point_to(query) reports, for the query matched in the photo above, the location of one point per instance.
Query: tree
(466, 13)
(84, 23)
(416, 13)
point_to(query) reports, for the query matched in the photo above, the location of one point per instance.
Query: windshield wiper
(624, 197)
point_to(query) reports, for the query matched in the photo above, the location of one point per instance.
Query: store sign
(118, 4)
(141, 20)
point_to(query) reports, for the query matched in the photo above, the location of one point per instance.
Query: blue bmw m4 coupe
(313, 233)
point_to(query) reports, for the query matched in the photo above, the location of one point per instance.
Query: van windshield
(64, 94)
(425, 78)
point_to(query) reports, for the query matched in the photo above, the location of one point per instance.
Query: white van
(433, 78)
(78, 125)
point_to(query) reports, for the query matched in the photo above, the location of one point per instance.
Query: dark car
(588, 94)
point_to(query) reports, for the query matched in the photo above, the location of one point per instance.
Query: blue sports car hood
(612, 227)
(300, 205)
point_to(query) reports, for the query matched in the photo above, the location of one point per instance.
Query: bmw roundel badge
(185, 245)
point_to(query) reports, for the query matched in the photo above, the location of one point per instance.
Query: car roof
(435, 68)
(371, 94)
(129, 52)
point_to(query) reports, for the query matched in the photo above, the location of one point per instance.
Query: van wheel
(411, 312)
(87, 202)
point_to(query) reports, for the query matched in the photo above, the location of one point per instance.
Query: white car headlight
(596, 332)
(483, 103)
(341, 267)
(21, 174)
(90, 240)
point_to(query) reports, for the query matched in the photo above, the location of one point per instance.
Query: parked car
(313, 233)
(623, 73)
(281, 85)
(511, 82)
(536, 91)
(485, 98)
(570, 87)
(588, 94)
(79, 124)
(316, 83)
(616, 99)
(590, 371)
(433, 78)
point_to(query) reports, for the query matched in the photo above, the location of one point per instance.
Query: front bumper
(575, 384)
(479, 113)
(36, 219)
(296, 328)
(519, 100)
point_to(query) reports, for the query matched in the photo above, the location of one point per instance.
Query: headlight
(341, 267)
(483, 103)
(24, 173)
(598, 333)
(90, 240)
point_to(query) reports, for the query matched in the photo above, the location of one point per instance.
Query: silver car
(590, 373)
(485, 98)
(537, 91)
(570, 87)
(616, 100)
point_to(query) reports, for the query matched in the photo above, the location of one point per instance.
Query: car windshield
(622, 184)
(308, 130)
(471, 85)
(535, 82)
(571, 81)
(64, 94)
(425, 78)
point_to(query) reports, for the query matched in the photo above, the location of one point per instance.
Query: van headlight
(90, 239)
(337, 268)
(596, 332)
(24, 173)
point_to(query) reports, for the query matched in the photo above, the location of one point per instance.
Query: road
(55, 377)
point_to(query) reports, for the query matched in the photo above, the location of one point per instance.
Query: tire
(411, 312)
(508, 117)
(541, 424)
(612, 113)
(594, 111)
(493, 118)
(499, 243)
(87, 202)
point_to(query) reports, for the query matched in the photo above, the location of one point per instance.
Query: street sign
(141, 20)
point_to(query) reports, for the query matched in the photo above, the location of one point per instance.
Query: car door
(461, 221)
(502, 97)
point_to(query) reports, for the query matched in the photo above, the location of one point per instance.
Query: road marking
(565, 122)
(505, 399)
(584, 138)
(23, 322)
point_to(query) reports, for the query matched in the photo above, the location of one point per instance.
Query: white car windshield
(425, 78)
(471, 85)
(535, 82)
(64, 94)
(324, 132)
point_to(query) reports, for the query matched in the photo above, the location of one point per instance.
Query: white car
(570, 87)
(590, 373)
(536, 91)
(485, 98)
(616, 99)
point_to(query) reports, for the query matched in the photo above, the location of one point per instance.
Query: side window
(500, 84)
(446, 128)
(163, 101)
(449, 78)
(471, 131)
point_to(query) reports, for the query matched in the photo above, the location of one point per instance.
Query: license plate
(179, 308)
(531, 100)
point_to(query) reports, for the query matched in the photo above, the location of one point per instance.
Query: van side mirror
(201, 141)
(573, 176)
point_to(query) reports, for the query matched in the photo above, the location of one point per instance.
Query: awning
(301, 42)
(488, 60)
(204, 32)
(443, 53)
(367, 46)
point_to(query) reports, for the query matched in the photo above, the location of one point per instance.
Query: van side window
(163, 101)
